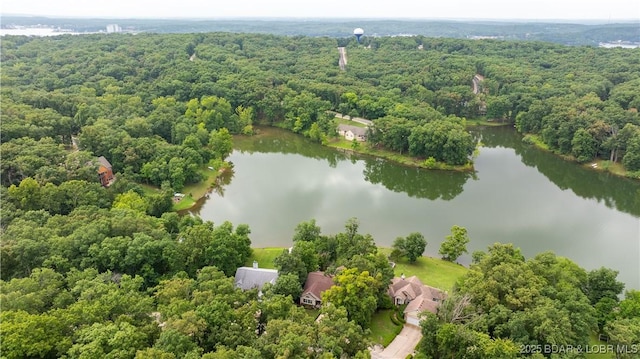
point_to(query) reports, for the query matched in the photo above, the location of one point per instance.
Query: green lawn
(594, 344)
(342, 121)
(603, 165)
(608, 166)
(313, 313)
(536, 141)
(195, 191)
(149, 189)
(485, 122)
(431, 271)
(264, 257)
(383, 331)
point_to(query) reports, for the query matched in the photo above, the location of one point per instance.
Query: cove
(518, 194)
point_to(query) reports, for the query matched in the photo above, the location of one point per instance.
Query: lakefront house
(417, 296)
(352, 132)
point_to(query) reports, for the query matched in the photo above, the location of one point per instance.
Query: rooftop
(249, 278)
(360, 131)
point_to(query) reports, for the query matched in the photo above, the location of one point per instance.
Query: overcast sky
(438, 9)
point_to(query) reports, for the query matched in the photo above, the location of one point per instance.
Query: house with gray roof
(352, 132)
(247, 278)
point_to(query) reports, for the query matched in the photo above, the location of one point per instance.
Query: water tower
(358, 33)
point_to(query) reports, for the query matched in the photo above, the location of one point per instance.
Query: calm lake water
(518, 194)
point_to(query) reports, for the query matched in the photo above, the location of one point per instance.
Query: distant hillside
(563, 33)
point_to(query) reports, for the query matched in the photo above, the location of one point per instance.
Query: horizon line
(313, 18)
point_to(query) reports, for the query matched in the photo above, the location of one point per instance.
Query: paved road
(343, 58)
(477, 78)
(403, 345)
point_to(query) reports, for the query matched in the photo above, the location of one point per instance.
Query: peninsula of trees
(124, 92)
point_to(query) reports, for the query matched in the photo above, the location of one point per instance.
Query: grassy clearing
(364, 148)
(195, 191)
(313, 313)
(431, 271)
(608, 166)
(264, 257)
(536, 141)
(383, 330)
(486, 122)
(602, 165)
(594, 343)
(343, 121)
(435, 272)
(149, 189)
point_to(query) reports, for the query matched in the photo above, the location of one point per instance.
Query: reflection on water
(517, 194)
(615, 192)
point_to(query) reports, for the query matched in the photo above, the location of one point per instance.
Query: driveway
(403, 345)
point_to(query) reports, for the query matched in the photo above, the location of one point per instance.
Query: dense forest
(90, 271)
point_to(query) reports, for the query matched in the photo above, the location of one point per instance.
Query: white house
(352, 132)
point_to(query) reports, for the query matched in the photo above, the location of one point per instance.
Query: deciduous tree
(454, 244)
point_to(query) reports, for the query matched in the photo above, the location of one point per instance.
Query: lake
(517, 194)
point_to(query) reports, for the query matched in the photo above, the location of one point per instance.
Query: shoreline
(596, 164)
(341, 143)
(364, 149)
(196, 191)
(431, 271)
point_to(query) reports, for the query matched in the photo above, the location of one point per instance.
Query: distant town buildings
(113, 28)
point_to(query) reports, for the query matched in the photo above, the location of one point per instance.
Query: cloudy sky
(439, 9)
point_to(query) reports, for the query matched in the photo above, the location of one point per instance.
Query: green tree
(221, 246)
(338, 335)
(32, 335)
(584, 146)
(412, 246)
(602, 283)
(288, 285)
(221, 143)
(131, 201)
(174, 342)
(356, 292)
(630, 306)
(290, 263)
(454, 244)
(27, 195)
(307, 231)
(351, 243)
(624, 334)
(315, 133)
(108, 340)
(631, 159)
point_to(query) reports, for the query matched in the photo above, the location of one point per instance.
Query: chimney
(255, 264)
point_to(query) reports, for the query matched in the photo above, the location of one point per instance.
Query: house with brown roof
(316, 284)
(417, 296)
(105, 172)
(352, 132)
